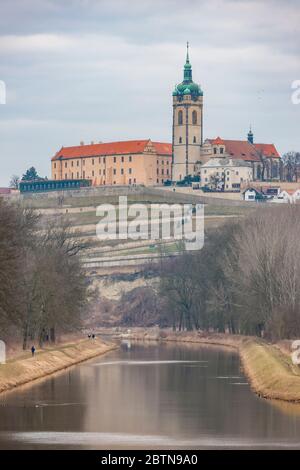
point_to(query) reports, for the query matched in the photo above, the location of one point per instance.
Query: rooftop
(128, 147)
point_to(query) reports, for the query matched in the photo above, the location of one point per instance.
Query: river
(146, 395)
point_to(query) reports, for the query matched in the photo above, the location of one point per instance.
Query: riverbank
(269, 368)
(23, 370)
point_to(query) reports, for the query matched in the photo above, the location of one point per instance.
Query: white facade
(225, 174)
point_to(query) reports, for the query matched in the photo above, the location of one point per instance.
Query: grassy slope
(271, 373)
(23, 370)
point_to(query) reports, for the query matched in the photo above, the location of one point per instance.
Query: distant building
(225, 174)
(263, 158)
(41, 186)
(189, 151)
(253, 195)
(115, 163)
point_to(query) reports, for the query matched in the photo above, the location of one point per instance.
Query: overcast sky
(97, 70)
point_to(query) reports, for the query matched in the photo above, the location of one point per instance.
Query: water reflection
(148, 396)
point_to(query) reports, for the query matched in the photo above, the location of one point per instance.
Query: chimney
(81, 142)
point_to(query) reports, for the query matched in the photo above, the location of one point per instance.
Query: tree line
(43, 289)
(245, 280)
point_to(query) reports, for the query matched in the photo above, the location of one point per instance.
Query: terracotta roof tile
(111, 148)
(244, 150)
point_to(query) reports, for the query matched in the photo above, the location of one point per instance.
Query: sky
(98, 70)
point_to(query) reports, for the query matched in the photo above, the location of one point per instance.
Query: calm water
(148, 396)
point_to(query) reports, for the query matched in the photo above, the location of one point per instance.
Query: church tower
(187, 136)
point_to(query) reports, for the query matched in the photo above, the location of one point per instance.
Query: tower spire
(187, 53)
(187, 74)
(250, 135)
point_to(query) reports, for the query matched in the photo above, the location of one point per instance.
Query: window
(167, 171)
(93, 161)
(77, 162)
(83, 174)
(122, 171)
(134, 180)
(115, 159)
(77, 174)
(66, 164)
(72, 163)
(99, 159)
(115, 171)
(215, 150)
(194, 117)
(54, 165)
(221, 150)
(55, 177)
(180, 118)
(130, 171)
(122, 159)
(130, 158)
(194, 140)
(104, 173)
(72, 176)
(66, 176)
(100, 172)
(162, 171)
(93, 173)
(157, 180)
(104, 159)
(237, 173)
(180, 140)
(114, 182)
(129, 180)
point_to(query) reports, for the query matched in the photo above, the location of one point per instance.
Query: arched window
(194, 140)
(180, 140)
(194, 117)
(180, 118)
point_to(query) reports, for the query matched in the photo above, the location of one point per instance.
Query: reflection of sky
(90, 70)
(148, 395)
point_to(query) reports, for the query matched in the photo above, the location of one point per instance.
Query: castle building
(187, 135)
(115, 163)
(153, 163)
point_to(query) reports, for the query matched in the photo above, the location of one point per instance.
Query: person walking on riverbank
(32, 350)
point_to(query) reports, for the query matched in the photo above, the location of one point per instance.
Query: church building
(190, 151)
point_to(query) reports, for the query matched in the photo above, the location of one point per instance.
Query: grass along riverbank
(21, 371)
(269, 368)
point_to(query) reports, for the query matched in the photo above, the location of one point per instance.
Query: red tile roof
(218, 141)
(163, 148)
(112, 148)
(244, 150)
(5, 190)
(268, 150)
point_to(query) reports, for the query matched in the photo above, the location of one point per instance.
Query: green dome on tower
(187, 86)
